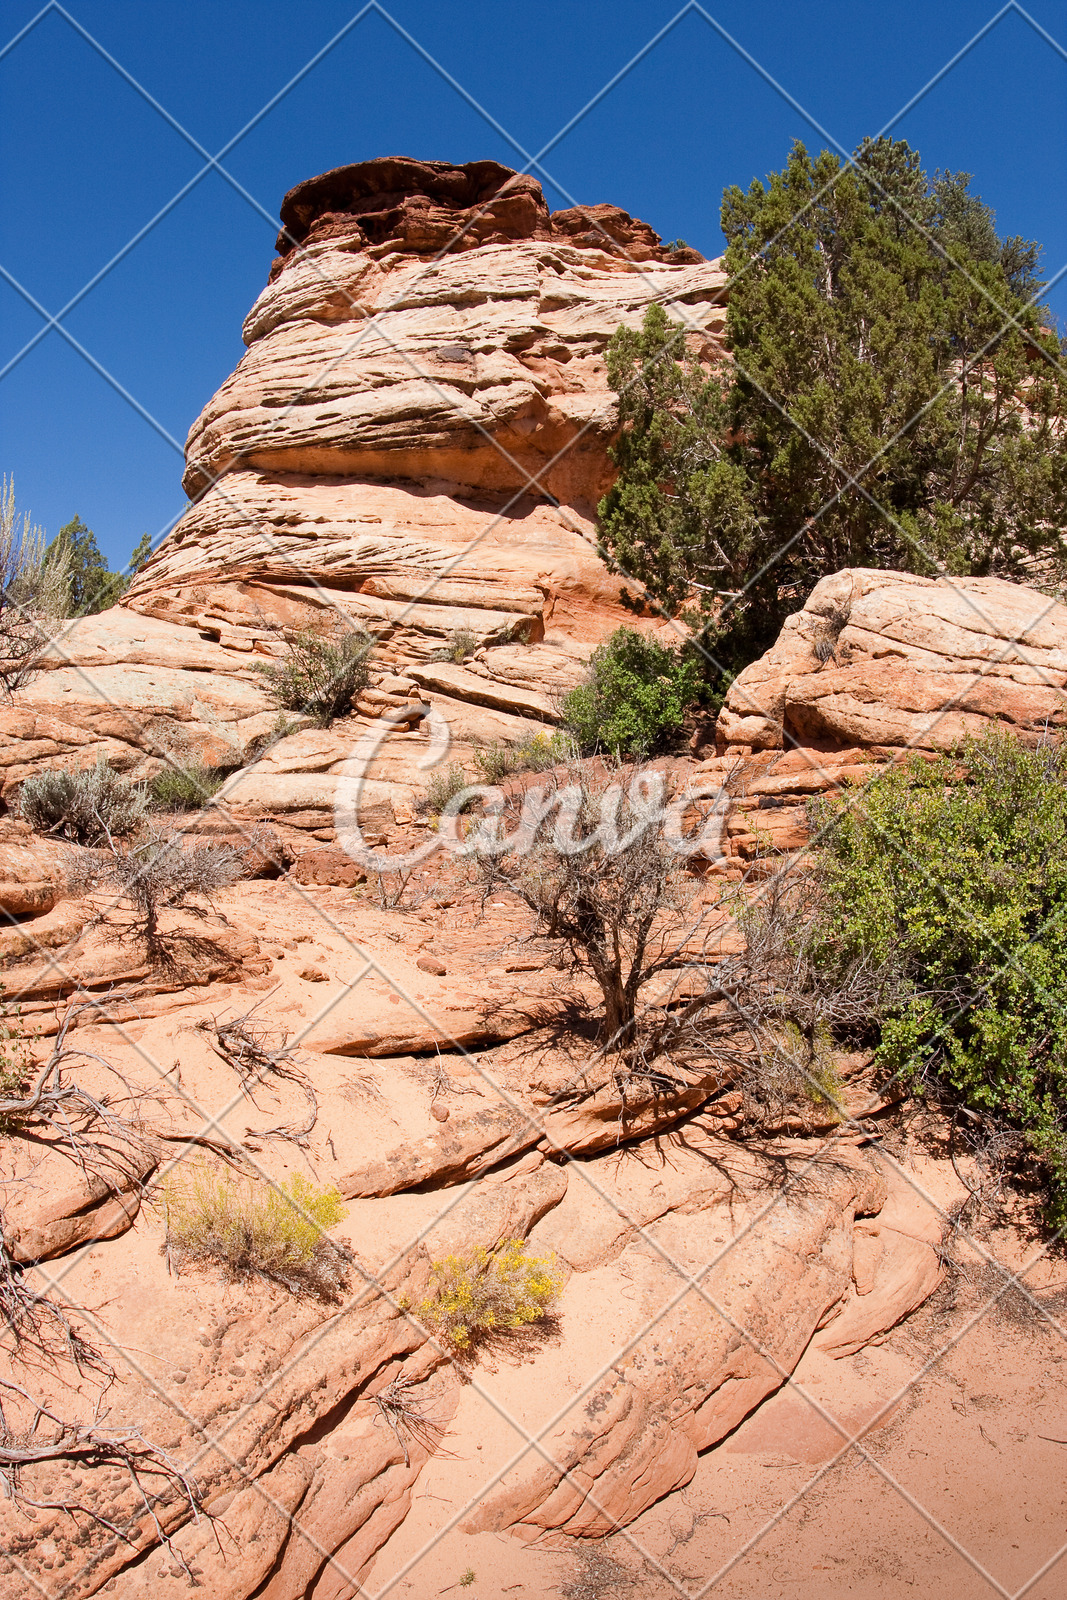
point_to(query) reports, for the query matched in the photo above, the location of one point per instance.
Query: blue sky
(87, 163)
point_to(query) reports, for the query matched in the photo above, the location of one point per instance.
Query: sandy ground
(960, 1490)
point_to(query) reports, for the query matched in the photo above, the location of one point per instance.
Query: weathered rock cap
(893, 660)
(430, 206)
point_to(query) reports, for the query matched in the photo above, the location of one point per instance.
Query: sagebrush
(321, 672)
(88, 807)
(249, 1226)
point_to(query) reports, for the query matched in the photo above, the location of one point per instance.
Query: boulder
(891, 661)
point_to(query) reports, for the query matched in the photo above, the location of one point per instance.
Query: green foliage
(964, 885)
(85, 807)
(246, 1226)
(91, 585)
(536, 753)
(140, 554)
(321, 673)
(478, 1294)
(185, 788)
(461, 644)
(636, 696)
(873, 415)
(443, 787)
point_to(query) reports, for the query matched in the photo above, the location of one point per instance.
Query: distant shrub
(185, 788)
(251, 1227)
(33, 593)
(321, 673)
(86, 807)
(956, 870)
(461, 644)
(635, 698)
(478, 1294)
(540, 751)
(443, 787)
(161, 872)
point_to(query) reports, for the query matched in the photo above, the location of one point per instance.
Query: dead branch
(256, 1054)
(47, 1438)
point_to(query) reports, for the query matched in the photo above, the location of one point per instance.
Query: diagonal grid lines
(685, 10)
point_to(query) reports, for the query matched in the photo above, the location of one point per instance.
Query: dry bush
(48, 1107)
(251, 1227)
(88, 807)
(461, 644)
(161, 873)
(621, 911)
(33, 594)
(479, 1294)
(261, 1055)
(321, 672)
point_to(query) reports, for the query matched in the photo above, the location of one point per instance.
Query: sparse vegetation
(443, 787)
(185, 788)
(955, 871)
(479, 1294)
(33, 593)
(536, 753)
(461, 644)
(160, 872)
(87, 807)
(635, 698)
(321, 672)
(248, 1226)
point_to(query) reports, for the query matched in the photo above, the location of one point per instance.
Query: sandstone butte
(416, 440)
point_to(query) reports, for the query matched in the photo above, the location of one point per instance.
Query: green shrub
(957, 870)
(248, 1226)
(85, 807)
(185, 788)
(443, 787)
(536, 753)
(635, 698)
(478, 1294)
(321, 673)
(461, 644)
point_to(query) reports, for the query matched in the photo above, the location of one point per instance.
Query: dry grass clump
(90, 807)
(477, 1294)
(275, 1231)
(461, 644)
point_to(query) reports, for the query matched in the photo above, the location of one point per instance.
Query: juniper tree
(891, 399)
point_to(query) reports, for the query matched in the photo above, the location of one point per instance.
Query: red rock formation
(427, 207)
